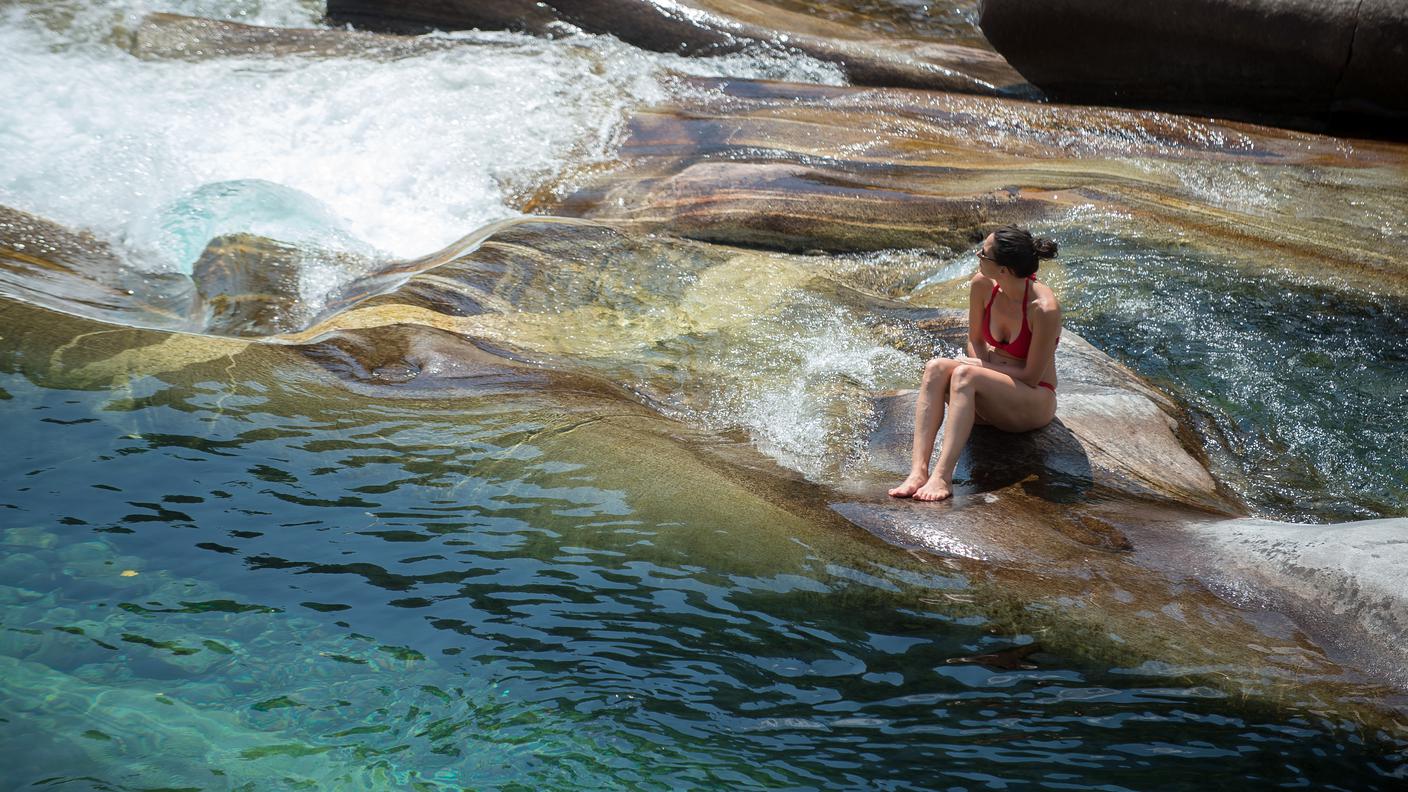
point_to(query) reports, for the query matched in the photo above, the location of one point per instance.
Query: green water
(336, 594)
(1295, 389)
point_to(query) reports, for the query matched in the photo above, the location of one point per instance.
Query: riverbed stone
(800, 208)
(165, 36)
(811, 167)
(1052, 546)
(712, 27)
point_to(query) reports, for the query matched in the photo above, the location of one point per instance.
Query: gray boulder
(1304, 63)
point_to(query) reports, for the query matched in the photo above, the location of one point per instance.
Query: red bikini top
(1020, 346)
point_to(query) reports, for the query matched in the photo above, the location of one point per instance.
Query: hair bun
(1045, 248)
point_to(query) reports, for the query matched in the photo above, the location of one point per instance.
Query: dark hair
(1015, 249)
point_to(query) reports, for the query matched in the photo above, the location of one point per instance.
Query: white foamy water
(408, 155)
(800, 384)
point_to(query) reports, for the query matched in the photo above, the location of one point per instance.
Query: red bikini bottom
(1045, 384)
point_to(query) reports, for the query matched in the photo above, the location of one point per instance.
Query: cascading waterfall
(400, 157)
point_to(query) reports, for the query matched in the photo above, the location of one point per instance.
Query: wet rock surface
(177, 37)
(645, 452)
(710, 27)
(49, 265)
(806, 167)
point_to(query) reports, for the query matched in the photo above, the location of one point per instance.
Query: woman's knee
(963, 379)
(939, 368)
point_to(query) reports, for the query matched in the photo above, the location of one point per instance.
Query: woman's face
(986, 265)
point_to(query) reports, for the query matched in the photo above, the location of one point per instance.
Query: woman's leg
(928, 415)
(1005, 403)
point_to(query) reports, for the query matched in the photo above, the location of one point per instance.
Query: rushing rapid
(399, 157)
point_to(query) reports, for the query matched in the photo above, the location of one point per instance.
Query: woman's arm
(1046, 331)
(978, 288)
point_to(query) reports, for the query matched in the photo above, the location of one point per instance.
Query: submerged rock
(711, 27)
(1297, 62)
(47, 264)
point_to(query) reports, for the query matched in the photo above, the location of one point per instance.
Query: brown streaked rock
(760, 163)
(799, 208)
(46, 264)
(711, 27)
(249, 285)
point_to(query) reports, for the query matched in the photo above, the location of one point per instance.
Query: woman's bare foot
(910, 485)
(935, 490)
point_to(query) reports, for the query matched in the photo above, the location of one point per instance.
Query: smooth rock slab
(811, 167)
(710, 27)
(799, 208)
(1343, 583)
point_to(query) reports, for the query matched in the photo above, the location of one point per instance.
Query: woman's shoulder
(1043, 299)
(981, 283)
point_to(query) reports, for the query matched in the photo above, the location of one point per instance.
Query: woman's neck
(1011, 286)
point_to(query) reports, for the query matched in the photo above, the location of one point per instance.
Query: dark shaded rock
(1293, 62)
(1375, 80)
(712, 27)
(249, 285)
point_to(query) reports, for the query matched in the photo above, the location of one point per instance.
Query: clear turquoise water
(337, 595)
(1297, 390)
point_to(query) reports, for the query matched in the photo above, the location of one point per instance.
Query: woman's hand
(969, 361)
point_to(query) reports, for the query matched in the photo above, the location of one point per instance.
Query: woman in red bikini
(1008, 377)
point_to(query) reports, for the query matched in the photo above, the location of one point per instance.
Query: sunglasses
(983, 255)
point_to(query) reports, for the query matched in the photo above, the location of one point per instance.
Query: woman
(1008, 378)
